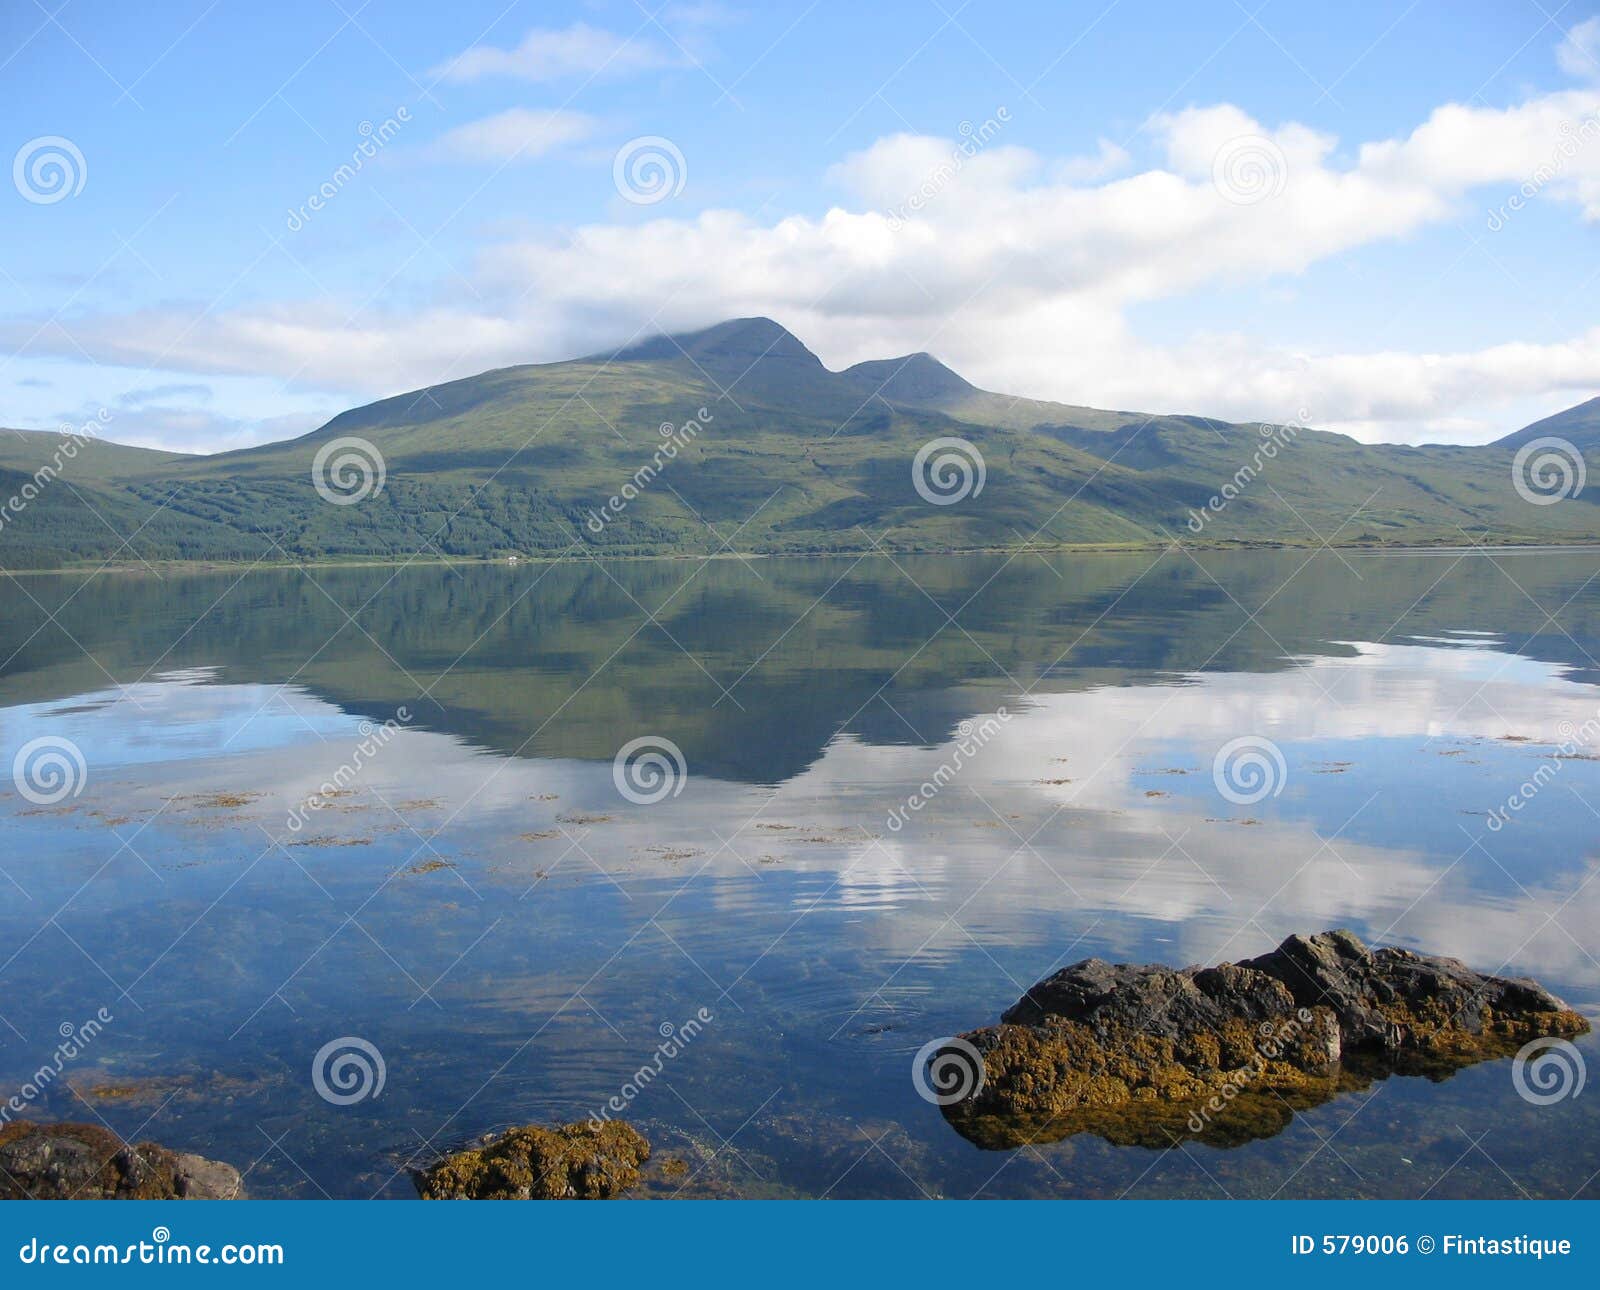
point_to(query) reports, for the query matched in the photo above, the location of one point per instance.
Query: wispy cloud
(1579, 53)
(179, 425)
(549, 54)
(518, 134)
(697, 13)
(165, 393)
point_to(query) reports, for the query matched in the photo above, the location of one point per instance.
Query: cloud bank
(1019, 270)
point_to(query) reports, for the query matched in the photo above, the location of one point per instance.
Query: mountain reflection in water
(512, 933)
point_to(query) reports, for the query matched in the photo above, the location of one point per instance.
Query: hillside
(1579, 425)
(93, 459)
(770, 451)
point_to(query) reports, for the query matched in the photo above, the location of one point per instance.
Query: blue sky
(1265, 211)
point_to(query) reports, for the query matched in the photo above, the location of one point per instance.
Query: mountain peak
(917, 378)
(1580, 424)
(746, 339)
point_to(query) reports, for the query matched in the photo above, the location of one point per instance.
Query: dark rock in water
(1413, 1013)
(585, 1161)
(87, 1162)
(1154, 1056)
(1127, 1051)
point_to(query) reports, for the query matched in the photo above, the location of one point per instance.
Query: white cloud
(214, 414)
(1579, 53)
(1019, 276)
(178, 427)
(547, 54)
(518, 134)
(1108, 159)
(886, 174)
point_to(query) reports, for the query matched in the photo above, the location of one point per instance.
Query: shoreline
(145, 567)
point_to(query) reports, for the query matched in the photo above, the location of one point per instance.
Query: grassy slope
(791, 457)
(1579, 425)
(96, 460)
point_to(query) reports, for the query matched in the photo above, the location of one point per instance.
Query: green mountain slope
(738, 437)
(1579, 425)
(922, 381)
(92, 459)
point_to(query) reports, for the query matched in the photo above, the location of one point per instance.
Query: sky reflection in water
(513, 934)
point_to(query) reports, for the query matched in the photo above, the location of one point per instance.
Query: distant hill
(92, 458)
(738, 437)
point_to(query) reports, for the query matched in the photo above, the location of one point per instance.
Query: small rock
(87, 1162)
(202, 1179)
(585, 1161)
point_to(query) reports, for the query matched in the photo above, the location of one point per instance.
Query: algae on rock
(585, 1161)
(1153, 1056)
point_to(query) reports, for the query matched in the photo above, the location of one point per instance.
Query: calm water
(482, 905)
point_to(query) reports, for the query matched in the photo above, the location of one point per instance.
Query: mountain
(738, 437)
(922, 381)
(90, 457)
(1579, 426)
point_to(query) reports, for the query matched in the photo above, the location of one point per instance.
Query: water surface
(480, 903)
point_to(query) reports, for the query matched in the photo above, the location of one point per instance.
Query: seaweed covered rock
(587, 1161)
(1175, 1006)
(87, 1162)
(1152, 1056)
(1415, 1013)
(1127, 1051)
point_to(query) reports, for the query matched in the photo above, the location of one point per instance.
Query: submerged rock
(87, 1162)
(1154, 1056)
(584, 1161)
